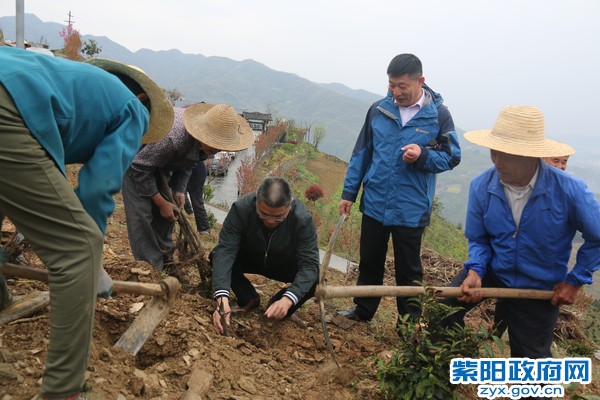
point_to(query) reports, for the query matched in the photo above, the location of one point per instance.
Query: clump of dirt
(261, 359)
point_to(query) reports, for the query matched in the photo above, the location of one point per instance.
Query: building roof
(256, 116)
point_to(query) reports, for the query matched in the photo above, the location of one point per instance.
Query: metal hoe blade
(153, 313)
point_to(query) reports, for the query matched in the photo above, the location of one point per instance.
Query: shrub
(314, 192)
(420, 367)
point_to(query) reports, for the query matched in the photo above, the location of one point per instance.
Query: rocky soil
(186, 358)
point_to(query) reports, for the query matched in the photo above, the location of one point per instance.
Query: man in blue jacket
(406, 140)
(521, 218)
(55, 112)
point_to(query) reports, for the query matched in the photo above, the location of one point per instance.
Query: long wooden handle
(329, 250)
(329, 292)
(22, 271)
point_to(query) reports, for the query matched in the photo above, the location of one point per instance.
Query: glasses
(276, 218)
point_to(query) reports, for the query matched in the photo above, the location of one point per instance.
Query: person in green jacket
(55, 112)
(272, 234)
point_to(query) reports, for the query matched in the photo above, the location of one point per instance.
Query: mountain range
(246, 85)
(251, 86)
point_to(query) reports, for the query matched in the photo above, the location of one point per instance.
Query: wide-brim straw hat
(219, 127)
(161, 110)
(519, 130)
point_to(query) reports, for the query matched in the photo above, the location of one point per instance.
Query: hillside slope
(262, 358)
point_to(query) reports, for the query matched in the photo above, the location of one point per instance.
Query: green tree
(90, 48)
(419, 367)
(318, 134)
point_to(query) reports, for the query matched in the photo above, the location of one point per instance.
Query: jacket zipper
(268, 246)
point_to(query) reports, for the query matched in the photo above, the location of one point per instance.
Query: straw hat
(161, 110)
(219, 127)
(519, 130)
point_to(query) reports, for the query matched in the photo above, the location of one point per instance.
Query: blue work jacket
(80, 114)
(536, 253)
(396, 193)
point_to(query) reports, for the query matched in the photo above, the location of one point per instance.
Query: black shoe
(352, 315)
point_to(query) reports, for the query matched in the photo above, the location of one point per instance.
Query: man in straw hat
(558, 161)
(55, 112)
(198, 132)
(521, 218)
(407, 139)
(272, 234)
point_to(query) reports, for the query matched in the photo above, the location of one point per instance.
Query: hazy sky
(480, 55)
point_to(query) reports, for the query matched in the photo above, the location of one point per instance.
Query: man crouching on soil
(268, 233)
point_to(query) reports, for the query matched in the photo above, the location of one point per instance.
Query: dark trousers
(245, 291)
(530, 323)
(374, 238)
(195, 188)
(150, 235)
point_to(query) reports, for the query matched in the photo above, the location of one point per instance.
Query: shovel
(143, 326)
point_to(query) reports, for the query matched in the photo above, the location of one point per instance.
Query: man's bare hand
(345, 206)
(169, 211)
(469, 286)
(179, 199)
(217, 314)
(565, 293)
(412, 152)
(279, 309)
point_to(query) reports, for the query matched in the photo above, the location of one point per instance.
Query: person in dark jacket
(55, 112)
(522, 216)
(272, 234)
(407, 139)
(198, 131)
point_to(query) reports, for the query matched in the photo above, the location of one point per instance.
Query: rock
(140, 374)
(139, 271)
(162, 367)
(105, 355)
(274, 365)
(199, 383)
(215, 356)
(136, 386)
(7, 372)
(135, 307)
(247, 385)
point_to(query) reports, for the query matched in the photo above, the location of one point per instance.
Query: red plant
(247, 177)
(72, 40)
(314, 192)
(267, 140)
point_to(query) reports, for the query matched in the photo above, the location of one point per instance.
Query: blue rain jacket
(395, 193)
(535, 254)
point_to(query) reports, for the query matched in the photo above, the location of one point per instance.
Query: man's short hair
(274, 192)
(132, 85)
(404, 64)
